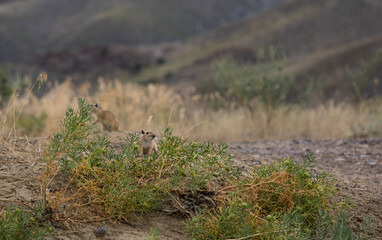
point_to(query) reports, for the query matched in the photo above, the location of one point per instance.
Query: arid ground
(356, 164)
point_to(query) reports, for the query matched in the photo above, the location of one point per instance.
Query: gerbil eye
(147, 132)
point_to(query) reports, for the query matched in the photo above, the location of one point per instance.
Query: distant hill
(324, 41)
(34, 27)
(299, 26)
(328, 42)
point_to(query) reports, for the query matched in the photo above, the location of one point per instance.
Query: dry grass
(151, 107)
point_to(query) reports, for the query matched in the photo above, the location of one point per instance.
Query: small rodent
(105, 117)
(148, 143)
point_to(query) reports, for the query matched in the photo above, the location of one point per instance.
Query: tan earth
(356, 164)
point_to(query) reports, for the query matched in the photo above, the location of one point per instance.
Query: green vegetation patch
(365, 79)
(282, 200)
(243, 82)
(123, 184)
(31, 124)
(6, 88)
(24, 223)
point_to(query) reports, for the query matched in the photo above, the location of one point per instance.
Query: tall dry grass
(155, 106)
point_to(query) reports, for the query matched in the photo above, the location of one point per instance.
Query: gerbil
(105, 117)
(148, 143)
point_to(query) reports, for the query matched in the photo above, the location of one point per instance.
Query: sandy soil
(356, 164)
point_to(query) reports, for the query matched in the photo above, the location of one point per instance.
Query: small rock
(101, 231)
(371, 163)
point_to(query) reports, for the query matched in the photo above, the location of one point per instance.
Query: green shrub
(122, 184)
(6, 90)
(242, 82)
(23, 223)
(30, 124)
(365, 81)
(282, 200)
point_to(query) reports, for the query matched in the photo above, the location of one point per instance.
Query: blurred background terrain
(279, 69)
(33, 27)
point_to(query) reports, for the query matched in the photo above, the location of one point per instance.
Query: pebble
(101, 231)
(371, 163)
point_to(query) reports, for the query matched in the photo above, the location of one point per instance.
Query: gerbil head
(148, 134)
(95, 108)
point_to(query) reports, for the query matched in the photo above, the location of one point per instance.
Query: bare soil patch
(356, 164)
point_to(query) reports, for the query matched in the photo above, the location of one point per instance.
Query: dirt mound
(355, 164)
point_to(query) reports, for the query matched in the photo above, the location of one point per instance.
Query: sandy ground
(356, 164)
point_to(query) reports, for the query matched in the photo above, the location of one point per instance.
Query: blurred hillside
(334, 43)
(332, 46)
(34, 27)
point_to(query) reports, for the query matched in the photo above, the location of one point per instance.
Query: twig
(252, 185)
(227, 188)
(169, 117)
(15, 201)
(194, 126)
(180, 205)
(254, 235)
(161, 168)
(50, 180)
(91, 220)
(71, 232)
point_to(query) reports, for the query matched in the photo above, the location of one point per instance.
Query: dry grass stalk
(160, 106)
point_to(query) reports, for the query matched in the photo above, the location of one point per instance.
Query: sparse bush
(365, 80)
(10, 117)
(6, 89)
(282, 200)
(261, 85)
(19, 223)
(30, 124)
(122, 185)
(243, 82)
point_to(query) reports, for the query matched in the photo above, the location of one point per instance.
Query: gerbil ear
(143, 132)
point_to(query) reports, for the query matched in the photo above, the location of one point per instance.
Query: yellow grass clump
(155, 106)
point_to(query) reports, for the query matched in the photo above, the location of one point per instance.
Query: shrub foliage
(122, 184)
(282, 200)
(19, 223)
